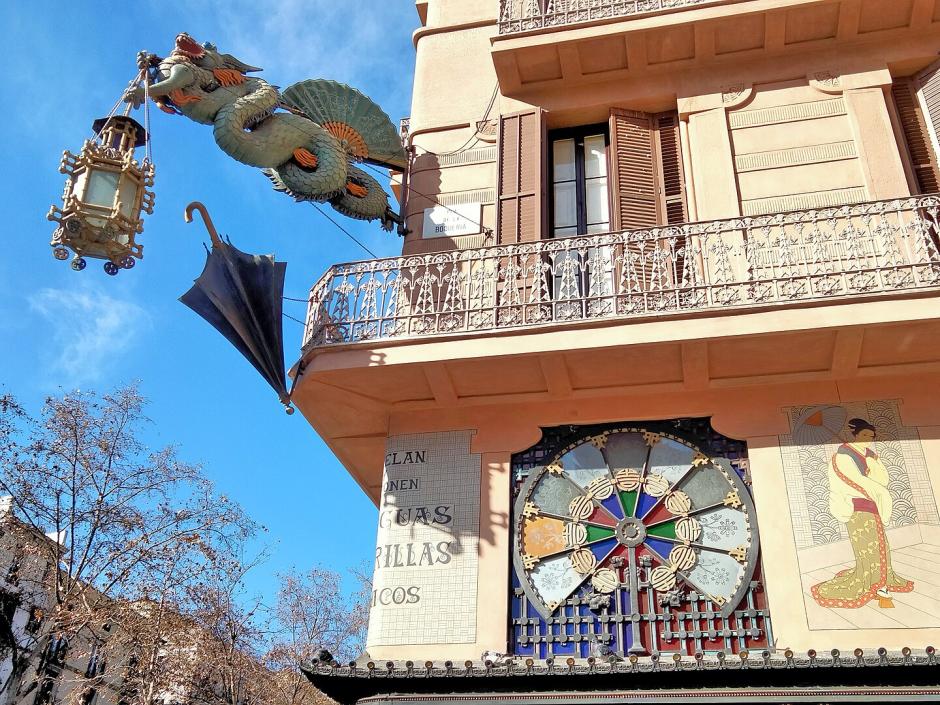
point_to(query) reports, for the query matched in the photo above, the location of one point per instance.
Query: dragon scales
(306, 139)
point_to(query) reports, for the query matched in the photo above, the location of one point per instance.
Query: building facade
(649, 399)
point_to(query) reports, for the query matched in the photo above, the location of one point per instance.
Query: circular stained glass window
(634, 510)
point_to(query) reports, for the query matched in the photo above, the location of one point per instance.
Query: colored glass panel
(661, 547)
(644, 504)
(554, 493)
(613, 506)
(666, 530)
(657, 515)
(543, 536)
(629, 502)
(626, 450)
(601, 549)
(671, 459)
(583, 464)
(595, 533)
(601, 517)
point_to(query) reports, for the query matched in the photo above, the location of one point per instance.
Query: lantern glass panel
(128, 197)
(102, 186)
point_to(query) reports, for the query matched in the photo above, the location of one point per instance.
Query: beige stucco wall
(825, 138)
(755, 414)
(798, 119)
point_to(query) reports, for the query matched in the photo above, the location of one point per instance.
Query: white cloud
(90, 331)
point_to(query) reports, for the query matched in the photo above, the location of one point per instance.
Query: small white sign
(448, 221)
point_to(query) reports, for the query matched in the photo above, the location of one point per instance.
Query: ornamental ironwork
(525, 15)
(800, 256)
(635, 539)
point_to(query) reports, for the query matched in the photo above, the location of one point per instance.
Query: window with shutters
(580, 195)
(648, 191)
(647, 182)
(580, 205)
(917, 102)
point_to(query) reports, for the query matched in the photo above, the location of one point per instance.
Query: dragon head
(207, 55)
(188, 46)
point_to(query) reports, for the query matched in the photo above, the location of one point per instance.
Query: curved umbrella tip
(203, 211)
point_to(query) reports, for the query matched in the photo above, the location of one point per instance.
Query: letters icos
(396, 596)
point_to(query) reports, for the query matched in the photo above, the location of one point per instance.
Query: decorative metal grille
(523, 15)
(864, 248)
(679, 620)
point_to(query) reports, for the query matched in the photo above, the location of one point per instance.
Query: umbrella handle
(188, 217)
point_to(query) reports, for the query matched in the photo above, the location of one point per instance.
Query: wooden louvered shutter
(520, 177)
(916, 136)
(647, 177)
(633, 174)
(672, 209)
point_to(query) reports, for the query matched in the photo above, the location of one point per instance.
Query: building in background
(37, 667)
(649, 399)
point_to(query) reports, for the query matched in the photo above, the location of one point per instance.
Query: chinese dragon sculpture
(306, 139)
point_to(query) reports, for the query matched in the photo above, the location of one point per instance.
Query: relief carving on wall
(735, 95)
(826, 82)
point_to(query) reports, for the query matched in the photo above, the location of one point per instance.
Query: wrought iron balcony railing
(877, 247)
(524, 15)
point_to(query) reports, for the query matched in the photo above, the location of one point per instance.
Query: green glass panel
(666, 530)
(594, 533)
(629, 502)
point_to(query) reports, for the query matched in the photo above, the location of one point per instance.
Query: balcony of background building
(799, 258)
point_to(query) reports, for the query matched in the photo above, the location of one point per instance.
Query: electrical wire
(291, 298)
(296, 320)
(344, 230)
(473, 137)
(411, 189)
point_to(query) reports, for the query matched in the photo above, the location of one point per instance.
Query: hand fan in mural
(818, 425)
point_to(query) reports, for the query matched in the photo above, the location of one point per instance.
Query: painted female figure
(859, 497)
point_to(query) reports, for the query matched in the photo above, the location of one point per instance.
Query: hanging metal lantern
(105, 195)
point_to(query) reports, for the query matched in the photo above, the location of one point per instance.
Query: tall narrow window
(580, 194)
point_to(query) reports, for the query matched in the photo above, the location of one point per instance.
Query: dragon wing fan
(352, 117)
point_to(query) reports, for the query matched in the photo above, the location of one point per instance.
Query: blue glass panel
(612, 505)
(644, 504)
(602, 548)
(661, 547)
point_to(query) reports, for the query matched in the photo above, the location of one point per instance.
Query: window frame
(578, 133)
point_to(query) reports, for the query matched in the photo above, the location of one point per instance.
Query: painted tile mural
(424, 588)
(864, 517)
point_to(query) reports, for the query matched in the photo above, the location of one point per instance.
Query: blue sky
(65, 64)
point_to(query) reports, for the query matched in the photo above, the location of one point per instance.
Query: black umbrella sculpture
(241, 296)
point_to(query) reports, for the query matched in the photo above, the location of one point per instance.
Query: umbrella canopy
(241, 296)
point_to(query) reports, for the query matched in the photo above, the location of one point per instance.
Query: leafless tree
(135, 530)
(313, 612)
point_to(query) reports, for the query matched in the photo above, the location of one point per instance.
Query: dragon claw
(356, 190)
(306, 158)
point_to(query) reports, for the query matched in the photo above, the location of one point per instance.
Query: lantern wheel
(78, 264)
(73, 225)
(128, 262)
(60, 253)
(111, 268)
